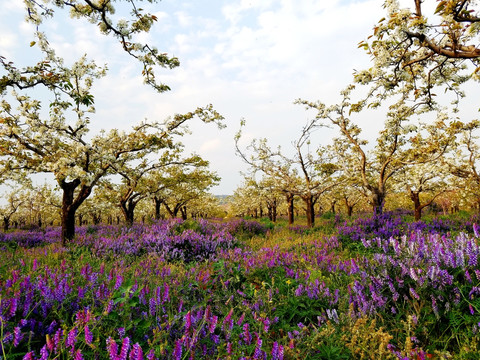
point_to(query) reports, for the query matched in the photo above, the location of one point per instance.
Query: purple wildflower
(17, 336)
(247, 337)
(277, 351)
(228, 323)
(476, 230)
(43, 353)
(467, 276)
(7, 338)
(151, 355)
(125, 348)
(72, 338)
(112, 348)
(136, 353)
(88, 335)
(414, 294)
(177, 352)
(257, 354)
(78, 355)
(212, 324)
(57, 338)
(118, 282)
(29, 356)
(240, 319)
(188, 321)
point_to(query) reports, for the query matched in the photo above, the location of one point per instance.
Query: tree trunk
(309, 210)
(274, 210)
(68, 210)
(378, 201)
(332, 206)
(6, 223)
(415, 196)
(290, 208)
(158, 204)
(173, 212)
(349, 206)
(349, 210)
(70, 205)
(183, 211)
(128, 210)
(96, 218)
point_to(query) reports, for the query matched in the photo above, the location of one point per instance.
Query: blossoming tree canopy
(417, 49)
(124, 20)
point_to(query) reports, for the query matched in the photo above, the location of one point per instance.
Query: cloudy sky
(250, 59)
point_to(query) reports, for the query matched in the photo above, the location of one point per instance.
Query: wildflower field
(377, 287)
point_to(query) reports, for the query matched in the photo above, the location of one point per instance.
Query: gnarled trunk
(417, 206)
(377, 201)
(158, 203)
(272, 210)
(183, 211)
(6, 223)
(70, 204)
(128, 211)
(309, 210)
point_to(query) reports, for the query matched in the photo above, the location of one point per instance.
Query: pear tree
(58, 142)
(305, 174)
(178, 185)
(422, 51)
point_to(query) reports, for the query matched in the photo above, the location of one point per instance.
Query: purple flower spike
(88, 335)
(212, 324)
(277, 351)
(151, 355)
(72, 338)
(414, 294)
(136, 353)
(257, 354)
(188, 321)
(177, 352)
(112, 348)
(29, 356)
(17, 336)
(247, 337)
(476, 230)
(125, 348)
(78, 355)
(43, 353)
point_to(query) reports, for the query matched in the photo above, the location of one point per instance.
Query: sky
(250, 59)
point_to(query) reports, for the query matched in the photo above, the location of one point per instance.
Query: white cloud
(8, 43)
(210, 146)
